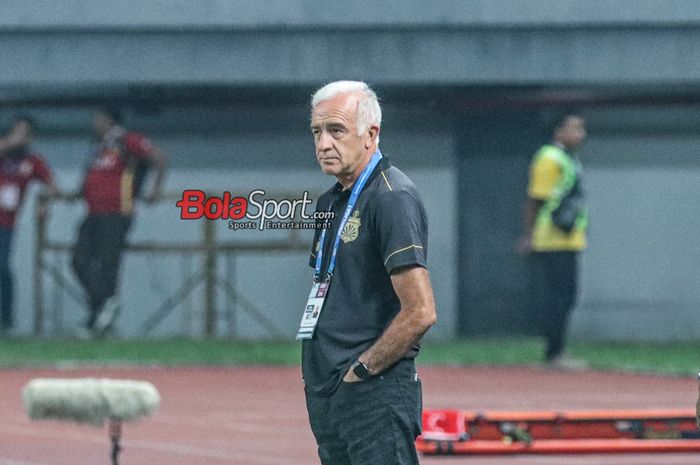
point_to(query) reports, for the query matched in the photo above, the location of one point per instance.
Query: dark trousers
(6, 280)
(555, 284)
(97, 257)
(373, 422)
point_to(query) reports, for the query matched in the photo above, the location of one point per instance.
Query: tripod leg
(115, 434)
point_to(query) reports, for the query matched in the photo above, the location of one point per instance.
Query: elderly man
(371, 301)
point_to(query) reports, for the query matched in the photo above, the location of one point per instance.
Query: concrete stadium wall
(638, 276)
(230, 14)
(62, 44)
(640, 271)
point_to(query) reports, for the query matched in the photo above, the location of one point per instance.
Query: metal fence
(208, 247)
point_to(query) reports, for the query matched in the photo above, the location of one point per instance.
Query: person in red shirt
(112, 181)
(18, 168)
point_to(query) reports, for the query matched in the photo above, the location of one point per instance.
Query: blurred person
(554, 224)
(19, 166)
(371, 301)
(114, 177)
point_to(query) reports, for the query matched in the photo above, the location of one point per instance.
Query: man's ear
(373, 135)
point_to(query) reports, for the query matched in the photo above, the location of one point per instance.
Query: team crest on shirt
(351, 230)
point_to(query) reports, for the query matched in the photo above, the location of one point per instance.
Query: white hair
(368, 111)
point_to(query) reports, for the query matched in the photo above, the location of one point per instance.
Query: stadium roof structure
(76, 46)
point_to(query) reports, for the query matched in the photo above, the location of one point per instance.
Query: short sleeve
(137, 145)
(41, 171)
(402, 230)
(544, 175)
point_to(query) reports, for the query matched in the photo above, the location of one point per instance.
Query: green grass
(677, 358)
(33, 352)
(492, 351)
(682, 358)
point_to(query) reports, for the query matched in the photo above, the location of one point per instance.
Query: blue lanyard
(356, 190)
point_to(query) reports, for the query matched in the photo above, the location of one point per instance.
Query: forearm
(158, 158)
(417, 315)
(158, 182)
(532, 207)
(403, 333)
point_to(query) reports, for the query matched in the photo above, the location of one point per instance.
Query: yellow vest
(548, 172)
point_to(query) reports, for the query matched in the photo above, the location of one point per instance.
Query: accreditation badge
(313, 310)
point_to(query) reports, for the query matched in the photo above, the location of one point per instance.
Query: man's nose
(324, 141)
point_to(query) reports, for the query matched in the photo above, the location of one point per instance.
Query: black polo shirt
(387, 230)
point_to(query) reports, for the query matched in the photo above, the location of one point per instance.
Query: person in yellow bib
(555, 221)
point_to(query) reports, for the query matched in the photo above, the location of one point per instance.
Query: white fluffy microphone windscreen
(89, 400)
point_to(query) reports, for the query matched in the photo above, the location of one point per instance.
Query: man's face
(572, 133)
(101, 123)
(339, 150)
(23, 130)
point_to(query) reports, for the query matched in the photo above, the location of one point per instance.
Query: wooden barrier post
(39, 244)
(209, 279)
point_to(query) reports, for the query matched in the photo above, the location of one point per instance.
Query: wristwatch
(360, 370)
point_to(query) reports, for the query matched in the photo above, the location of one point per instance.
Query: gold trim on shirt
(412, 246)
(386, 181)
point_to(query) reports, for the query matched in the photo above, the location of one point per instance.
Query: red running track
(256, 416)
